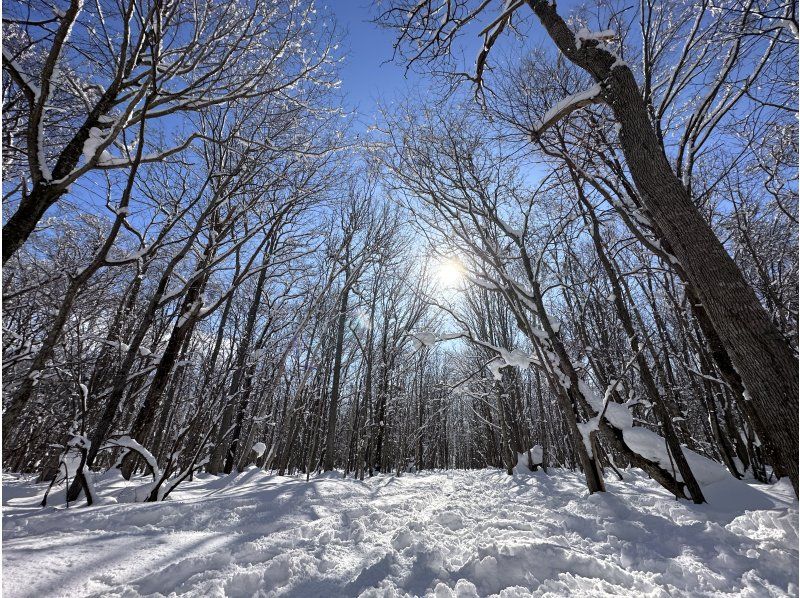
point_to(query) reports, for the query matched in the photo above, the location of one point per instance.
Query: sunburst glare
(449, 273)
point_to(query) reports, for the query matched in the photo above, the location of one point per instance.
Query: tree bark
(333, 407)
(143, 423)
(660, 409)
(756, 347)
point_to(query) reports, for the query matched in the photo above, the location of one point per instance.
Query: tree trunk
(659, 408)
(143, 423)
(756, 347)
(223, 441)
(333, 406)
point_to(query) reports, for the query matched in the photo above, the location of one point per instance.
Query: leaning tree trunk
(756, 347)
(651, 389)
(143, 423)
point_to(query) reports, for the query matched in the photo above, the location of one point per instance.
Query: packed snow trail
(444, 534)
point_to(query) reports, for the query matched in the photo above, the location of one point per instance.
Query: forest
(567, 254)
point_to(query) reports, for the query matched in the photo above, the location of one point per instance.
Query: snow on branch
(424, 338)
(510, 7)
(130, 444)
(566, 107)
(585, 35)
(29, 87)
(490, 35)
(503, 359)
(107, 161)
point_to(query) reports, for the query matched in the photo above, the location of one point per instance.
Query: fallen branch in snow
(164, 482)
(164, 486)
(129, 444)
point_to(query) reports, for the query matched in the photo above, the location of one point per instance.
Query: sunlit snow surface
(460, 533)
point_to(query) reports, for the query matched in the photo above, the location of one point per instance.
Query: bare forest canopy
(577, 249)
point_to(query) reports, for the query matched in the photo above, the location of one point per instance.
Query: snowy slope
(445, 534)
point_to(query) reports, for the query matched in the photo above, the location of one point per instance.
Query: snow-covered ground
(454, 533)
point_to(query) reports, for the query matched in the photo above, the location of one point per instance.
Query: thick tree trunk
(31, 209)
(756, 347)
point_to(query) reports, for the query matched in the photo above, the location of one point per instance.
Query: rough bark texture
(756, 348)
(45, 193)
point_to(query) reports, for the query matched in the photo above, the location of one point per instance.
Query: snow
(586, 428)
(453, 533)
(495, 365)
(259, 448)
(30, 83)
(567, 105)
(92, 144)
(600, 36)
(118, 345)
(484, 283)
(537, 458)
(653, 447)
(643, 441)
(617, 415)
(424, 338)
(516, 358)
(618, 62)
(192, 311)
(554, 324)
(513, 358)
(132, 445)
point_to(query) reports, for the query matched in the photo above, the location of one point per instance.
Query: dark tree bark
(660, 409)
(145, 418)
(240, 367)
(333, 406)
(756, 347)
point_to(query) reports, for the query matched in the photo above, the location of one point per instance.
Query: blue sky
(368, 75)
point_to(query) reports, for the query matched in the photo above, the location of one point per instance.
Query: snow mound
(441, 534)
(537, 458)
(653, 447)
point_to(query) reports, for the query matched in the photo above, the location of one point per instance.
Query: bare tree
(757, 350)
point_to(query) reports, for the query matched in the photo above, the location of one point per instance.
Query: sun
(449, 273)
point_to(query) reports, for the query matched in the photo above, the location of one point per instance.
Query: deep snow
(454, 533)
